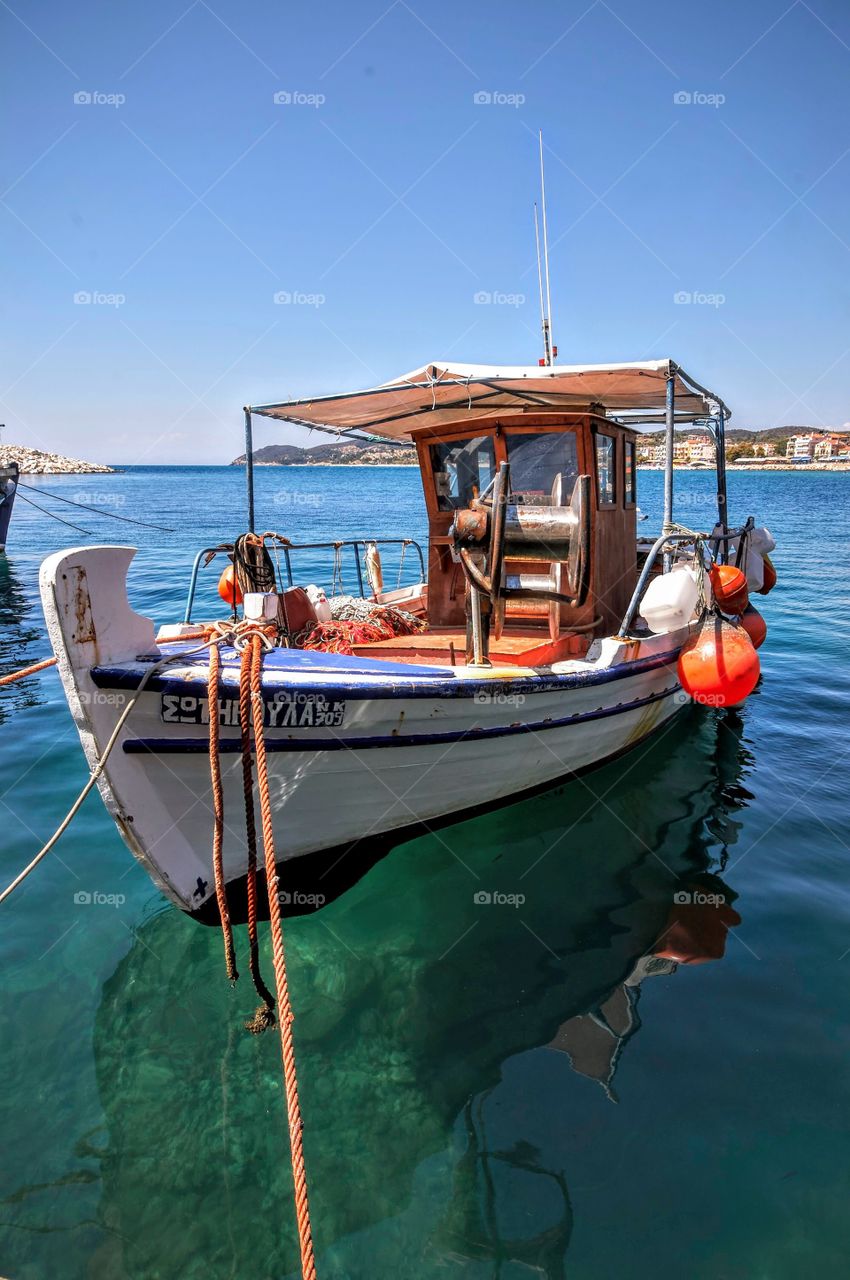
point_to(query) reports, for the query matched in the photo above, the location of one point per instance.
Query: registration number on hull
(285, 710)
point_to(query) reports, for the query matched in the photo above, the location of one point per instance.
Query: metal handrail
(226, 548)
(212, 552)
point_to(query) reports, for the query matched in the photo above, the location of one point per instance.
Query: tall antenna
(549, 351)
(544, 323)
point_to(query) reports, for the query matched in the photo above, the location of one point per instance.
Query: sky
(207, 204)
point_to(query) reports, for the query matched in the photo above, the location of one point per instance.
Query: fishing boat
(8, 488)
(543, 638)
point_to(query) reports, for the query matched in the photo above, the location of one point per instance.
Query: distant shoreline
(762, 466)
(343, 466)
(414, 466)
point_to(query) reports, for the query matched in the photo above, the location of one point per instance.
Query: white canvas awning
(445, 393)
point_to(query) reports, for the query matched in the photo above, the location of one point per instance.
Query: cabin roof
(445, 393)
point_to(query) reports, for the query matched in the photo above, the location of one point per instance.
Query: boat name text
(285, 710)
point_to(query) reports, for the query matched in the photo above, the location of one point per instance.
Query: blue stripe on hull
(194, 746)
(420, 683)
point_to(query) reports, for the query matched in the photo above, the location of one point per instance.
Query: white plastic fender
(670, 599)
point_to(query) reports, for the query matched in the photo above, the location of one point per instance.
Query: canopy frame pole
(670, 448)
(720, 463)
(249, 466)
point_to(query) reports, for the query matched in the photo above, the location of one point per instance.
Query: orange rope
(218, 811)
(28, 671)
(285, 1014)
(264, 1016)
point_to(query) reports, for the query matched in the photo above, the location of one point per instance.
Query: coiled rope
(284, 1007)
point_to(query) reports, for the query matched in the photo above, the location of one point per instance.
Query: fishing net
(356, 621)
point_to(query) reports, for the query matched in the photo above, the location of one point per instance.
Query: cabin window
(462, 470)
(605, 470)
(544, 467)
(631, 473)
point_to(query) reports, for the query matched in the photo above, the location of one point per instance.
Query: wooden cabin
(543, 450)
(561, 430)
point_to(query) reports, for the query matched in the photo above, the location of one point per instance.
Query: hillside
(339, 453)
(744, 435)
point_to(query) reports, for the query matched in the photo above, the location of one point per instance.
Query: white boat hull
(357, 749)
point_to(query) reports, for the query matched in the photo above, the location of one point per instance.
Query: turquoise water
(507, 1090)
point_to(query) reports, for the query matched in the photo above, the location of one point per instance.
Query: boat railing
(666, 541)
(286, 549)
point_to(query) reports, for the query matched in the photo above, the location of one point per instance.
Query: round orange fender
(754, 625)
(228, 588)
(730, 588)
(769, 576)
(719, 667)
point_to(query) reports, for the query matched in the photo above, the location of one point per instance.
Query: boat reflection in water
(412, 992)
(21, 640)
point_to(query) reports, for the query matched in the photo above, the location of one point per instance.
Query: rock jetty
(34, 462)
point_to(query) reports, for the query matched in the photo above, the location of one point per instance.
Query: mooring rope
(79, 528)
(98, 511)
(284, 1007)
(253, 640)
(99, 765)
(264, 1016)
(27, 671)
(218, 813)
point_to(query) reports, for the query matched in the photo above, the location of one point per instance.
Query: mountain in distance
(340, 453)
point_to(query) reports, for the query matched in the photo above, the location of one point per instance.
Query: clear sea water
(489, 1090)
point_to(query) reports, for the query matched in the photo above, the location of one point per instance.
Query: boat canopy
(442, 393)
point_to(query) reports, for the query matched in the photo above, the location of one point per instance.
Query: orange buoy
(719, 667)
(730, 588)
(754, 625)
(769, 576)
(228, 588)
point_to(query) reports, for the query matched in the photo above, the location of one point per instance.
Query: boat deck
(446, 646)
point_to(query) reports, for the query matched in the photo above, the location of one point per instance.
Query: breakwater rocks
(35, 462)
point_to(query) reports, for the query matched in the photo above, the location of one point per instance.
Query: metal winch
(494, 530)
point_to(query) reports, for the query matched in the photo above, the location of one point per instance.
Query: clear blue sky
(388, 197)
